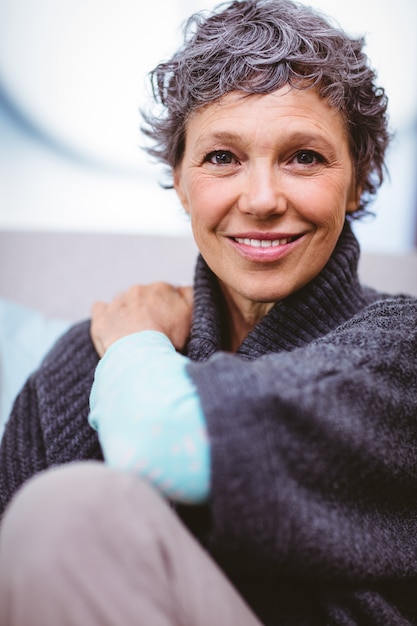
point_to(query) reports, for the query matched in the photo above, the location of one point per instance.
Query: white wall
(76, 70)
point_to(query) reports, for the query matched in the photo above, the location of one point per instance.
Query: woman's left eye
(308, 157)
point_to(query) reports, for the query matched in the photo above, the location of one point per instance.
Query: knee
(50, 492)
(48, 504)
(66, 530)
(73, 505)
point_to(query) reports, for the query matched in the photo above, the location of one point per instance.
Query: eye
(220, 157)
(308, 157)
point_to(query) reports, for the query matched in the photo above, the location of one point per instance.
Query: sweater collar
(330, 299)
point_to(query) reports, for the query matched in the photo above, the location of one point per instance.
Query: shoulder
(387, 325)
(70, 364)
(74, 344)
(386, 311)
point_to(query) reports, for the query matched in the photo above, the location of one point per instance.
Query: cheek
(323, 202)
(209, 204)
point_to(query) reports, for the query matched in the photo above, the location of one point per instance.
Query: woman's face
(267, 181)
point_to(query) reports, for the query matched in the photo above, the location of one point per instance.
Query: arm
(148, 416)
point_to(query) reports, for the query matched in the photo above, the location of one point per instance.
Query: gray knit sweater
(313, 430)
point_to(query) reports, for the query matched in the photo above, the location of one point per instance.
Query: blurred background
(72, 82)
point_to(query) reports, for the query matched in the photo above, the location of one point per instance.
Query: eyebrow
(220, 136)
(304, 138)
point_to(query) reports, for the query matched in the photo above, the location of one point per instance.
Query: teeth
(263, 243)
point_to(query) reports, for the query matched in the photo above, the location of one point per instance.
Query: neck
(242, 318)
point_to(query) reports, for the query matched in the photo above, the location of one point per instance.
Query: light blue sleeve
(148, 416)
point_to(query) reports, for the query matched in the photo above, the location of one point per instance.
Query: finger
(98, 308)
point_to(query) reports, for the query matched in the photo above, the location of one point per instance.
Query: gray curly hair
(258, 46)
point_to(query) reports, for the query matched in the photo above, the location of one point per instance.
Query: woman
(274, 405)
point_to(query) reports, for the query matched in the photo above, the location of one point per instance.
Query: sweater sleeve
(314, 452)
(148, 416)
(48, 423)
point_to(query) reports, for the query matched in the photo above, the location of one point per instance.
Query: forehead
(286, 108)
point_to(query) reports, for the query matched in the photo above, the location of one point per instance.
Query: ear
(355, 198)
(179, 187)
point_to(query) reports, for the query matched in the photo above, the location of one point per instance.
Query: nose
(262, 192)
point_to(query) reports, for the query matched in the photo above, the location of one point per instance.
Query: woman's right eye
(220, 157)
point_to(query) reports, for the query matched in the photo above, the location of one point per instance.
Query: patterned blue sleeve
(148, 416)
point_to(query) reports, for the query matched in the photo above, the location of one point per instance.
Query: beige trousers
(84, 545)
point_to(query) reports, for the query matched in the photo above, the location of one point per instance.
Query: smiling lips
(264, 243)
(265, 249)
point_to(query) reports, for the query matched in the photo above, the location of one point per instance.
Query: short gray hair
(258, 46)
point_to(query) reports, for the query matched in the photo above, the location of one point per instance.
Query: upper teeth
(263, 243)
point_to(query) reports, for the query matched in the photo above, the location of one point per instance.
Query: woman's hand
(158, 306)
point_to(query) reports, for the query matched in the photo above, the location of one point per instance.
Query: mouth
(265, 243)
(265, 247)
